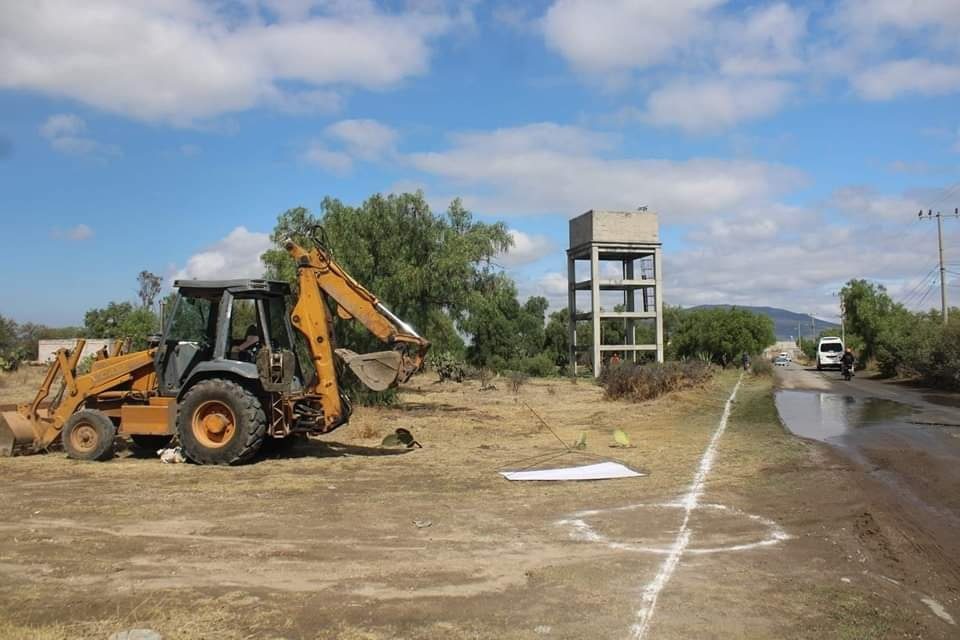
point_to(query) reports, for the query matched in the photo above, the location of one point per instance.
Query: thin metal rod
(544, 423)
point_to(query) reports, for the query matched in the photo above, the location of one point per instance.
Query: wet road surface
(905, 438)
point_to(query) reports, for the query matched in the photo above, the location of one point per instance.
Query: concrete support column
(630, 304)
(572, 309)
(658, 297)
(595, 306)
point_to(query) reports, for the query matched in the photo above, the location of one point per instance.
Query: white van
(829, 352)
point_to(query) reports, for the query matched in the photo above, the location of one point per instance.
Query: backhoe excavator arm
(319, 277)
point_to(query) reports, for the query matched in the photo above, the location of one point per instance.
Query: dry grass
(322, 544)
(20, 385)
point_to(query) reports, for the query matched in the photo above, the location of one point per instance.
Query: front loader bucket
(378, 370)
(15, 431)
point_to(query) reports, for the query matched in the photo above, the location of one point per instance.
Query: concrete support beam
(572, 310)
(629, 304)
(658, 296)
(595, 307)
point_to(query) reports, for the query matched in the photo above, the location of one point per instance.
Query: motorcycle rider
(847, 360)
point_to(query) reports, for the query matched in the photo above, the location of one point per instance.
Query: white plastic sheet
(598, 471)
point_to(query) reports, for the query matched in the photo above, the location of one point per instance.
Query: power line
(919, 304)
(945, 194)
(916, 288)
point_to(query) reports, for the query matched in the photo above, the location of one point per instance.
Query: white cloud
(66, 134)
(768, 41)
(551, 285)
(526, 248)
(365, 139)
(747, 52)
(714, 104)
(877, 15)
(77, 233)
(797, 269)
(319, 154)
(236, 256)
(549, 168)
(866, 202)
(186, 60)
(915, 76)
(621, 35)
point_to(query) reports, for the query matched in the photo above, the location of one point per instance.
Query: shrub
(361, 395)
(86, 363)
(447, 367)
(760, 366)
(648, 381)
(538, 366)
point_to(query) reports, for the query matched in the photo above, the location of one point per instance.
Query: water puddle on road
(829, 416)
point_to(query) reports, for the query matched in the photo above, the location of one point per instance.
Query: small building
(622, 252)
(47, 349)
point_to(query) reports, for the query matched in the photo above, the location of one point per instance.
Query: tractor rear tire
(150, 443)
(220, 422)
(89, 435)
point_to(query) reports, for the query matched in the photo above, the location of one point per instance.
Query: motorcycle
(847, 371)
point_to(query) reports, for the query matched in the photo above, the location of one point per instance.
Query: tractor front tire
(220, 422)
(89, 435)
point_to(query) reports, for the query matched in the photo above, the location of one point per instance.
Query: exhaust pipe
(16, 431)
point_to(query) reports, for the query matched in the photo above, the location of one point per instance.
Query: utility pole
(930, 215)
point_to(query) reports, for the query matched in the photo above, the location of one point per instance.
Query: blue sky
(786, 146)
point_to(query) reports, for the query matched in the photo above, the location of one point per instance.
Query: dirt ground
(342, 539)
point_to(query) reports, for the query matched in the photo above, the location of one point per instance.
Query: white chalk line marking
(690, 501)
(581, 530)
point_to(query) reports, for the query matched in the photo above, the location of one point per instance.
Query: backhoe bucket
(15, 431)
(378, 370)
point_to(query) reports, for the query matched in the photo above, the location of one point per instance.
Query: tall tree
(425, 267)
(148, 288)
(870, 312)
(8, 333)
(121, 320)
(721, 334)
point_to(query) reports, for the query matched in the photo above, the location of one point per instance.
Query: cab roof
(210, 288)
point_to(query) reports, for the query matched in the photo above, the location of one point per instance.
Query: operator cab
(239, 327)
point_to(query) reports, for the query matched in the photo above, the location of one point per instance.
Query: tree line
(438, 272)
(901, 342)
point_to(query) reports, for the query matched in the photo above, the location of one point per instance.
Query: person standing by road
(745, 359)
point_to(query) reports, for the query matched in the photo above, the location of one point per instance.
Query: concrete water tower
(623, 252)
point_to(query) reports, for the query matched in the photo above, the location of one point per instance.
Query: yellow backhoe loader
(234, 367)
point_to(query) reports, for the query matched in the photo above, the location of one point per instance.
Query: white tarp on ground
(598, 471)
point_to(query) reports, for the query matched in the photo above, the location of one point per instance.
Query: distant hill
(785, 322)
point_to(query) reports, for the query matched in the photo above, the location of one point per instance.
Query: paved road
(905, 439)
(929, 406)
